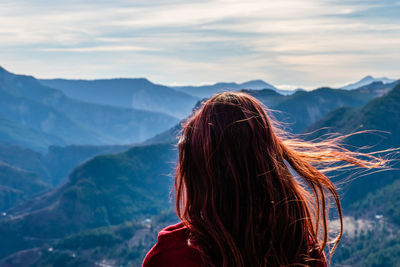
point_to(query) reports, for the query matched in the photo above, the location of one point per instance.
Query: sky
(288, 43)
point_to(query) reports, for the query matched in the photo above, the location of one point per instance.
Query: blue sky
(289, 43)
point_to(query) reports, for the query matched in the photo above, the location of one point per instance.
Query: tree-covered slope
(125, 244)
(378, 243)
(60, 161)
(384, 202)
(50, 169)
(26, 159)
(107, 190)
(54, 165)
(17, 185)
(304, 108)
(381, 116)
(382, 113)
(378, 88)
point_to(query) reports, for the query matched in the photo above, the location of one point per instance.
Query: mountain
(43, 118)
(208, 90)
(365, 81)
(378, 88)
(25, 101)
(60, 161)
(118, 245)
(106, 190)
(104, 209)
(16, 185)
(381, 115)
(297, 111)
(268, 97)
(54, 165)
(303, 108)
(256, 85)
(26, 159)
(29, 170)
(375, 242)
(384, 202)
(169, 136)
(127, 93)
(12, 133)
(289, 92)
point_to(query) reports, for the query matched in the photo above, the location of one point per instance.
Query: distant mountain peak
(210, 89)
(141, 79)
(368, 77)
(257, 84)
(367, 80)
(3, 70)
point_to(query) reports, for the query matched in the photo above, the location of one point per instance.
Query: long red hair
(249, 195)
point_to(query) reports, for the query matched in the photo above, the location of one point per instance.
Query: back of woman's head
(236, 194)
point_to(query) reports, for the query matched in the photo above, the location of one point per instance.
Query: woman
(248, 196)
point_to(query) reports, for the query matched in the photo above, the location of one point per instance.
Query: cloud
(304, 42)
(97, 49)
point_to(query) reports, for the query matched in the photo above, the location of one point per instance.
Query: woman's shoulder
(172, 249)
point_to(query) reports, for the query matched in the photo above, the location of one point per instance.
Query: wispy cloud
(302, 42)
(97, 49)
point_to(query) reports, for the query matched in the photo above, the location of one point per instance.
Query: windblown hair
(251, 196)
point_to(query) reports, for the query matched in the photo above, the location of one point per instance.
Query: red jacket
(172, 250)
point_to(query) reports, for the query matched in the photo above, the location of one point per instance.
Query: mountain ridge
(366, 81)
(208, 90)
(136, 93)
(24, 100)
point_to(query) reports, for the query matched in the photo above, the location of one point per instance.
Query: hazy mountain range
(67, 203)
(208, 90)
(367, 80)
(46, 113)
(303, 108)
(127, 93)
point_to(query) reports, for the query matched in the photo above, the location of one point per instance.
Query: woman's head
(235, 192)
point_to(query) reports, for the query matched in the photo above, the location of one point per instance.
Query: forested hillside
(86, 204)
